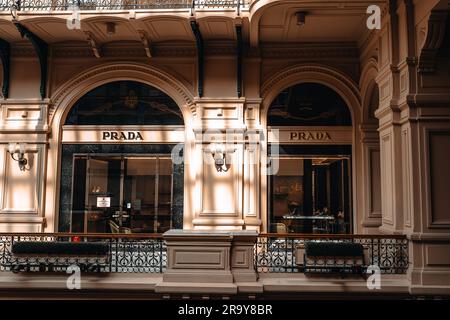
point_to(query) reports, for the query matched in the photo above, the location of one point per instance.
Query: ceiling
(275, 22)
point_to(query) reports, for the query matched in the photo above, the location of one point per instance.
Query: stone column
(414, 131)
(389, 115)
(209, 262)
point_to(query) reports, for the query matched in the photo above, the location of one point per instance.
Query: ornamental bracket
(145, 42)
(200, 56)
(41, 48)
(93, 44)
(239, 60)
(5, 55)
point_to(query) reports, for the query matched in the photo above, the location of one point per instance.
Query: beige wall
(399, 172)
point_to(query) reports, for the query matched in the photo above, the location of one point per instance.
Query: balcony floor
(142, 286)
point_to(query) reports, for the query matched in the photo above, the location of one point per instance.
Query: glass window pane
(311, 195)
(140, 190)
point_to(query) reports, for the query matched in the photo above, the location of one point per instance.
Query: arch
(257, 9)
(343, 85)
(324, 75)
(125, 103)
(308, 104)
(368, 84)
(67, 95)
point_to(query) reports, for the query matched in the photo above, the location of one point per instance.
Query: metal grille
(280, 253)
(127, 254)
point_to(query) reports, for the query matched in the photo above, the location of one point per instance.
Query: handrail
(141, 253)
(63, 5)
(160, 235)
(331, 236)
(86, 235)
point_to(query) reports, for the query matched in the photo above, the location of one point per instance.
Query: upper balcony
(109, 5)
(264, 22)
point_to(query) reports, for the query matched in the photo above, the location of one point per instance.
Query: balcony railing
(134, 253)
(130, 253)
(283, 253)
(64, 5)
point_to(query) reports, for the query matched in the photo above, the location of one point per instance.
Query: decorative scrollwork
(282, 254)
(85, 5)
(126, 255)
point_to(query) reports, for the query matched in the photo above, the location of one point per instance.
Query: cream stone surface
(395, 81)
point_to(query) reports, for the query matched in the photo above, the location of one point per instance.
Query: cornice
(123, 51)
(310, 51)
(22, 51)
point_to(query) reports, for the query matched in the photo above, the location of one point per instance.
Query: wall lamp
(219, 154)
(18, 148)
(301, 18)
(110, 28)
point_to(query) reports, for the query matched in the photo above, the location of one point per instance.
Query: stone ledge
(205, 288)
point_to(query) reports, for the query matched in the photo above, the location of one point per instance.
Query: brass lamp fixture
(219, 154)
(110, 28)
(19, 149)
(301, 18)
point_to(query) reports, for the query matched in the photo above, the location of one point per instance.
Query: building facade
(230, 115)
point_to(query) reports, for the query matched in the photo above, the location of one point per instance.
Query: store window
(117, 172)
(122, 194)
(310, 192)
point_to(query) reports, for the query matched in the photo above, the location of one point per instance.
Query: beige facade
(395, 82)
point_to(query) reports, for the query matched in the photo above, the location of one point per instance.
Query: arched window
(125, 103)
(309, 104)
(310, 189)
(117, 177)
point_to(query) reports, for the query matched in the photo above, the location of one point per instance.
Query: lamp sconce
(110, 29)
(19, 149)
(219, 154)
(301, 18)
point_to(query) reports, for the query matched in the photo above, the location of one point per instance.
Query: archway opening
(125, 103)
(309, 190)
(118, 175)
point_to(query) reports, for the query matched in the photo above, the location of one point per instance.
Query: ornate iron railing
(128, 253)
(284, 252)
(63, 5)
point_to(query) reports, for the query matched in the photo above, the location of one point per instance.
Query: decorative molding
(311, 51)
(120, 50)
(71, 52)
(41, 48)
(299, 69)
(5, 54)
(182, 91)
(434, 38)
(220, 48)
(22, 51)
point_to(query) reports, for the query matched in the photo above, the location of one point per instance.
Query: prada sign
(310, 135)
(122, 135)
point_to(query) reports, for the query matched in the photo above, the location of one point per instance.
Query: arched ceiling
(264, 21)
